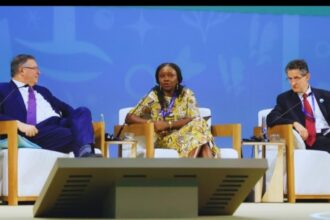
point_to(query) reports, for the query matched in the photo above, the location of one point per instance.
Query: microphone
(264, 129)
(11, 92)
(281, 115)
(116, 137)
(264, 125)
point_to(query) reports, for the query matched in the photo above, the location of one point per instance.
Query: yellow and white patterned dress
(187, 138)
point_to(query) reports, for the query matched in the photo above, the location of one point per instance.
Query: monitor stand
(153, 199)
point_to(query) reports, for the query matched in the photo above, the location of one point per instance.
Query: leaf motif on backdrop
(65, 43)
(189, 67)
(204, 21)
(231, 73)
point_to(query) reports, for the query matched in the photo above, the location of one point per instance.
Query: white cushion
(166, 153)
(34, 166)
(228, 153)
(298, 142)
(312, 173)
(306, 164)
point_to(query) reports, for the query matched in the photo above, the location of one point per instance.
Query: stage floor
(246, 211)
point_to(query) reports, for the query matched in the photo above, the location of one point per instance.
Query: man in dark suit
(42, 118)
(292, 107)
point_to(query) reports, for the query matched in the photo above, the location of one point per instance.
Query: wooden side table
(120, 147)
(274, 191)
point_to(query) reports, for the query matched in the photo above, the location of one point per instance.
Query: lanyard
(169, 109)
(313, 107)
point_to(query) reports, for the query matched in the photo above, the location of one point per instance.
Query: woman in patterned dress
(173, 110)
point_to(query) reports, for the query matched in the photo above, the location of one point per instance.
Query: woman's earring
(160, 88)
(177, 86)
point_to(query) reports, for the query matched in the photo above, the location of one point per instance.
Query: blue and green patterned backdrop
(104, 57)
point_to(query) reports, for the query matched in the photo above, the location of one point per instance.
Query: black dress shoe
(90, 154)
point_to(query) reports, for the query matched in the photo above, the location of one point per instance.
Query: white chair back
(206, 112)
(263, 113)
(122, 114)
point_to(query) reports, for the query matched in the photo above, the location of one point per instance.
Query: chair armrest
(285, 132)
(257, 132)
(229, 130)
(146, 130)
(10, 129)
(99, 134)
(7, 127)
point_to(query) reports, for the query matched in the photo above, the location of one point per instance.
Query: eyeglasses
(31, 67)
(295, 79)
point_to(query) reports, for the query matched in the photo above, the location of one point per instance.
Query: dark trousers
(321, 143)
(65, 134)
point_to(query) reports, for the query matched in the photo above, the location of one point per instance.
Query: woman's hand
(161, 126)
(165, 125)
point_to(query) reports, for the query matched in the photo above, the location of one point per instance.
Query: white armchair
(145, 138)
(23, 171)
(307, 173)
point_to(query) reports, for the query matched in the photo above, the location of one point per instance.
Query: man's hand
(28, 130)
(301, 130)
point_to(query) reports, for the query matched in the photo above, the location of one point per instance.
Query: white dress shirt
(44, 109)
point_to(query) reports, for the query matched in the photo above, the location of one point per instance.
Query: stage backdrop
(105, 57)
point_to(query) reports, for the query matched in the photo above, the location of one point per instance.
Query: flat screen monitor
(150, 188)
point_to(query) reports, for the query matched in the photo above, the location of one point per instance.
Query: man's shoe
(90, 154)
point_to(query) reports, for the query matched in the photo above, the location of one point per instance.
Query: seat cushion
(307, 179)
(34, 166)
(170, 153)
(166, 153)
(159, 152)
(306, 163)
(298, 141)
(22, 143)
(228, 153)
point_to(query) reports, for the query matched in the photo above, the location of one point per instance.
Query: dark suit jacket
(12, 105)
(288, 108)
